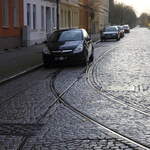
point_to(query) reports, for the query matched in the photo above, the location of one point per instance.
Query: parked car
(69, 45)
(126, 28)
(110, 32)
(121, 29)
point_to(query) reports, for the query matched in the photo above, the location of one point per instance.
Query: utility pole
(57, 3)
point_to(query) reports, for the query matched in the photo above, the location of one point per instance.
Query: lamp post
(57, 5)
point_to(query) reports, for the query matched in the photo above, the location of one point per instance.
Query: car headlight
(79, 48)
(46, 50)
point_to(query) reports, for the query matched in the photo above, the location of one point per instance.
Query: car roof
(126, 25)
(70, 29)
(111, 27)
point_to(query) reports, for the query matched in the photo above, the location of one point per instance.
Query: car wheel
(46, 61)
(91, 57)
(84, 61)
(102, 40)
(46, 65)
(118, 39)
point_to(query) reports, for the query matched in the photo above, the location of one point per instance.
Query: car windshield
(110, 29)
(120, 27)
(126, 26)
(71, 35)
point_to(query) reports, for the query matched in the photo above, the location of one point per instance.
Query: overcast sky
(139, 5)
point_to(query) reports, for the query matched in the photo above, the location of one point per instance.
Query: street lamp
(57, 3)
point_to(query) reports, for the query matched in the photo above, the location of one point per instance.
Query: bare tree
(144, 19)
(123, 14)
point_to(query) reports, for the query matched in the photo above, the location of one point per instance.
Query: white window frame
(5, 13)
(42, 18)
(34, 17)
(28, 7)
(16, 13)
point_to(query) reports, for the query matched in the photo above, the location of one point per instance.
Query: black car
(70, 45)
(110, 32)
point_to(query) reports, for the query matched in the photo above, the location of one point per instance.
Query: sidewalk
(13, 61)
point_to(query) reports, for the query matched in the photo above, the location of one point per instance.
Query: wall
(39, 35)
(84, 14)
(69, 14)
(11, 34)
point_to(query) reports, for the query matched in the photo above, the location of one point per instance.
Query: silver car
(110, 32)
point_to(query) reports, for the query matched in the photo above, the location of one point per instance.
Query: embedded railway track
(59, 99)
(97, 85)
(87, 117)
(20, 91)
(56, 100)
(93, 83)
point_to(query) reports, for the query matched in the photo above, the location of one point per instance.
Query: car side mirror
(45, 42)
(88, 39)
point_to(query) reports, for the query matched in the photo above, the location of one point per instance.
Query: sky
(139, 5)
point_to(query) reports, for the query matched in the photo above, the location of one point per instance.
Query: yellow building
(91, 15)
(94, 15)
(69, 14)
(84, 15)
(101, 14)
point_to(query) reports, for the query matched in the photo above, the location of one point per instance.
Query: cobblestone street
(114, 91)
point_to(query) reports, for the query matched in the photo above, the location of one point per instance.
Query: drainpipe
(57, 6)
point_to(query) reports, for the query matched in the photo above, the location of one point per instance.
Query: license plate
(59, 58)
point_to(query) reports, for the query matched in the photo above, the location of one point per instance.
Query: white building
(39, 20)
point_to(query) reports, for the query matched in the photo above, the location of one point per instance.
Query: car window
(71, 35)
(109, 29)
(126, 26)
(121, 27)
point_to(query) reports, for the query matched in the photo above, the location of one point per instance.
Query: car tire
(46, 61)
(102, 40)
(91, 57)
(46, 65)
(84, 61)
(118, 39)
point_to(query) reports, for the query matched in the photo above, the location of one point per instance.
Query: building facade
(85, 15)
(39, 20)
(11, 22)
(104, 13)
(69, 14)
(94, 15)
(101, 14)
(28, 22)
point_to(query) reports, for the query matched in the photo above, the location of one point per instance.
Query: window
(53, 16)
(5, 17)
(70, 35)
(29, 15)
(16, 13)
(66, 23)
(42, 17)
(34, 16)
(85, 34)
(62, 18)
